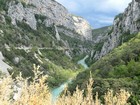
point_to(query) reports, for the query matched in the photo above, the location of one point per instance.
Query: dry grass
(38, 93)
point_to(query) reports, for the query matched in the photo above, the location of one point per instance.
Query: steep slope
(118, 69)
(99, 37)
(98, 34)
(52, 12)
(42, 33)
(49, 13)
(22, 47)
(124, 24)
(47, 24)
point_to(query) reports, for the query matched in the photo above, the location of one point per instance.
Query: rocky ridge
(50, 12)
(125, 23)
(67, 31)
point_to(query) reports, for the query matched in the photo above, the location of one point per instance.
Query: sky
(98, 13)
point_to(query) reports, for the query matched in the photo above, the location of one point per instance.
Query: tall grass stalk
(36, 92)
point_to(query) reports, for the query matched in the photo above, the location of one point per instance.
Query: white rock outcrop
(57, 34)
(2, 19)
(83, 28)
(4, 66)
(54, 12)
(127, 22)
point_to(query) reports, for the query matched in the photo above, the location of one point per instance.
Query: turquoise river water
(57, 91)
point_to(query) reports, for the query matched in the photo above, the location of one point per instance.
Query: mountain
(124, 24)
(52, 13)
(44, 33)
(97, 34)
(117, 63)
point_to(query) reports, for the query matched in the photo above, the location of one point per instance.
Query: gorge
(44, 33)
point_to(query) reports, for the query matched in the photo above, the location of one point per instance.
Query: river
(83, 63)
(57, 91)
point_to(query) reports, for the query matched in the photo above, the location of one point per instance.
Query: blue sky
(98, 13)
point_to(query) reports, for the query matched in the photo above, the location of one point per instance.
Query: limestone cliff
(51, 12)
(125, 23)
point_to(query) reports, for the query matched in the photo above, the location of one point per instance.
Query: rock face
(57, 34)
(4, 66)
(127, 22)
(82, 27)
(2, 19)
(52, 13)
(49, 12)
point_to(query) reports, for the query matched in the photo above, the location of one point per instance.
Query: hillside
(56, 41)
(96, 33)
(44, 33)
(126, 23)
(24, 42)
(118, 69)
(116, 63)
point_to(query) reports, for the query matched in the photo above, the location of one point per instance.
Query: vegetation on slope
(22, 46)
(97, 32)
(118, 69)
(77, 46)
(36, 92)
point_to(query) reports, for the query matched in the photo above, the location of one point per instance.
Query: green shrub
(8, 19)
(120, 16)
(99, 46)
(41, 17)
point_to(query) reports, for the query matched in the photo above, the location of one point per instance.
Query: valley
(68, 50)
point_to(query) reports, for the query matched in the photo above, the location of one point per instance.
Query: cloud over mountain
(98, 12)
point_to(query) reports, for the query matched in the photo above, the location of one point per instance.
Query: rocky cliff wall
(125, 23)
(52, 13)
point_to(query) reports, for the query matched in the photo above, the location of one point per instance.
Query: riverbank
(57, 91)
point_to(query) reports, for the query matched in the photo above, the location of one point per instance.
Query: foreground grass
(37, 92)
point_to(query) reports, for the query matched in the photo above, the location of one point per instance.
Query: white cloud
(113, 5)
(101, 19)
(71, 5)
(97, 5)
(100, 11)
